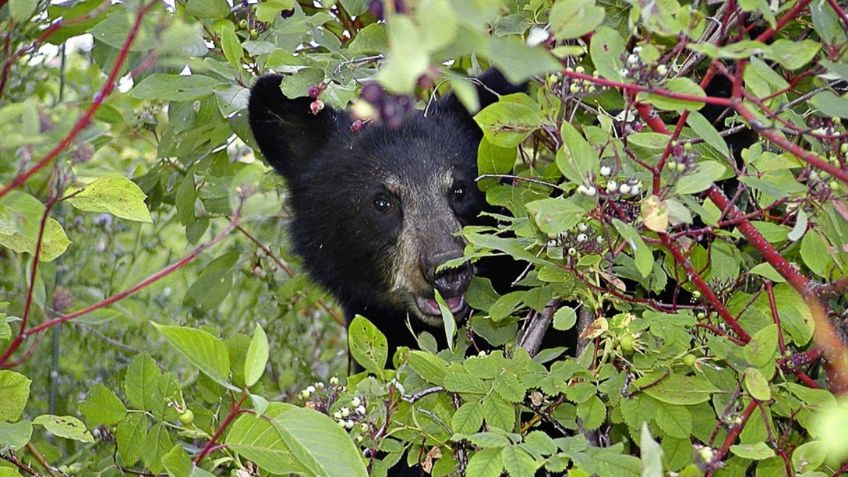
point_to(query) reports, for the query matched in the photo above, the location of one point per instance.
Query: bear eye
(458, 192)
(381, 203)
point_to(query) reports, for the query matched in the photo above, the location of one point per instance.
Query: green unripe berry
(696, 294)
(834, 184)
(689, 359)
(626, 343)
(243, 24)
(253, 33)
(187, 417)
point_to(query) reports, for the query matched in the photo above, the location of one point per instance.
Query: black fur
(333, 174)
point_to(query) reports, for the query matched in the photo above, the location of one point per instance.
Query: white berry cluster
(581, 86)
(347, 417)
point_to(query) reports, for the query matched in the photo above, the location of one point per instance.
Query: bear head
(377, 211)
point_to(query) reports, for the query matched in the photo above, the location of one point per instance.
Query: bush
(695, 240)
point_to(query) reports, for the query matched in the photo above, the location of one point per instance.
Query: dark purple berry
(314, 91)
(373, 93)
(287, 13)
(391, 113)
(357, 125)
(376, 9)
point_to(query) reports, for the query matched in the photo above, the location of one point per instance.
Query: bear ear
(287, 132)
(490, 86)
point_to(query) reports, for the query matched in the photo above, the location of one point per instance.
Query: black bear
(376, 211)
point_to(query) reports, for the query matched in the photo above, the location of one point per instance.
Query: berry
(314, 91)
(624, 188)
(606, 170)
(316, 106)
(591, 191)
(243, 24)
(844, 148)
(355, 402)
(580, 69)
(833, 184)
(376, 9)
(662, 70)
(186, 417)
(253, 33)
(627, 343)
(345, 412)
(372, 92)
(572, 251)
(334, 381)
(287, 13)
(612, 186)
(696, 294)
(633, 59)
(582, 237)
(574, 88)
(582, 227)
(689, 359)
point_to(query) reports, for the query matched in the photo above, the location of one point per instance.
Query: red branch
(705, 289)
(635, 88)
(839, 11)
(235, 410)
(16, 343)
(85, 119)
(731, 438)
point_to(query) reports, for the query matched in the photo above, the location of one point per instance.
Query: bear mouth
(429, 308)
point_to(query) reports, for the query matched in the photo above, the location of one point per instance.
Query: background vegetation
(155, 322)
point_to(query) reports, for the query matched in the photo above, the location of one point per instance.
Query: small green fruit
(243, 24)
(689, 359)
(626, 343)
(187, 417)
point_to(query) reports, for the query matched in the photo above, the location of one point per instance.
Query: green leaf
(268, 10)
(21, 10)
(757, 384)
(592, 412)
(368, 345)
(15, 435)
(815, 252)
(20, 220)
(168, 87)
(705, 130)
(255, 438)
(142, 381)
(102, 406)
(676, 388)
(371, 39)
(808, 456)
(9, 472)
(555, 215)
(577, 159)
(407, 59)
(468, 418)
(704, 175)
(492, 159)
(830, 105)
(178, 464)
(756, 451)
(67, 427)
(517, 462)
(214, 282)
(257, 357)
(606, 51)
(677, 85)
(211, 9)
(642, 254)
(231, 47)
(676, 421)
(518, 61)
(116, 195)
(792, 54)
(156, 445)
(429, 366)
(206, 352)
(574, 18)
(509, 121)
(767, 271)
(318, 443)
(762, 348)
(565, 318)
(485, 463)
(448, 320)
(14, 387)
(498, 413)
(651, 453)
(130, 434)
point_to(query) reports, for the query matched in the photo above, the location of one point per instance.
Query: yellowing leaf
(116, 195)
(655, 214)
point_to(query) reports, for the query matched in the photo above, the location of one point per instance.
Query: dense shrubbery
(135, 221)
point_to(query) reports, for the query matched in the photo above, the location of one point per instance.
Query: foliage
(156, 322)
